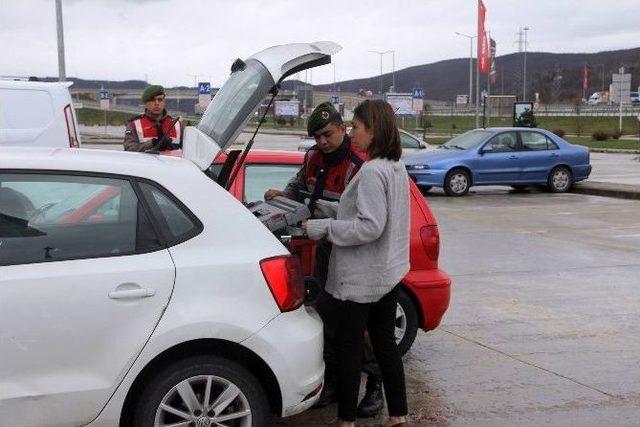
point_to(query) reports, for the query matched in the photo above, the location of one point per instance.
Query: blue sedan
(501, 156)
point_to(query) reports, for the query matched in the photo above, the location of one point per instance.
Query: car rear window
(30, 109)
(259, 178)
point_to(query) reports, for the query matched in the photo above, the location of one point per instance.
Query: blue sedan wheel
(559, 180)
(457, 183)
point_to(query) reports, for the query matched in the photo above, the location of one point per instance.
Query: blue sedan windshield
(467, 140)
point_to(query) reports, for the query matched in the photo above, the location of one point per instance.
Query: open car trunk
(250, 81)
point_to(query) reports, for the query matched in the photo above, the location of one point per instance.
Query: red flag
(483, 45)
(585, 79)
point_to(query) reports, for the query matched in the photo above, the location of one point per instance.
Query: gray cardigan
(370, 234)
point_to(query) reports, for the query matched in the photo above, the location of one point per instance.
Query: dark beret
(321, 116)
(151, 92)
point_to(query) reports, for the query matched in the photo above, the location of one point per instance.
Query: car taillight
(71, 127)
(430, 237)
(284, 277)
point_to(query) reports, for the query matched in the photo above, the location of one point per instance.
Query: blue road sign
(204, 88)
(104, 94)
(335, 99)
(417, 93)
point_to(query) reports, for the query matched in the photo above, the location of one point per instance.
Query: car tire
(190, 378)
(457, 183)
(519, 188)
(406, 322)
(560, 180)
(424, 188)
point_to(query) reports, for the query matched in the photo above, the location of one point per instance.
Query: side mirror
(486, 149)
(423, 146)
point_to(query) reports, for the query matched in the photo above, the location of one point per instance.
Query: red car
(425, 289)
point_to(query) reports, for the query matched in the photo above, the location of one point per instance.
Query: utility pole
(524, 78)
(522, 47)
(393, 70)
(380, 53)
(470, 100)
(62, 74)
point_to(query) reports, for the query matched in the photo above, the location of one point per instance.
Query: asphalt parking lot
(544, 321)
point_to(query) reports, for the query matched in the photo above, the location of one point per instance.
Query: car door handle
(125, 291)
(555, 155)
(513, 157)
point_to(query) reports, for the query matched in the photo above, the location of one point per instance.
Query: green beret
(321, 116)
(151, 92)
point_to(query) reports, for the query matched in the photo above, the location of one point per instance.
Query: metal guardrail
(546, 110)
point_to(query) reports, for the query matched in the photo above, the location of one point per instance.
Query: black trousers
(379, 319)
(327, 309)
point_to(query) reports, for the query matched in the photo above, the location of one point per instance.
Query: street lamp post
(393, 70)
(381, 53)
(62, 74)
(524, 74)
(470, 64)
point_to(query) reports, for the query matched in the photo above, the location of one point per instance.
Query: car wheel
(457, 183)
(203, 391)
(424, 188)
(406, 322)
(559, 180)
(519, 187)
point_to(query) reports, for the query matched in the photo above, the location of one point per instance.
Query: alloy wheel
(401, 323)
(561, 179)
(458, 183)
(204, 401)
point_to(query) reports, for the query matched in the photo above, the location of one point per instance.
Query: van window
(30, 109)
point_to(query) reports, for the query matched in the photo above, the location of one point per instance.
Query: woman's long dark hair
(378, 116)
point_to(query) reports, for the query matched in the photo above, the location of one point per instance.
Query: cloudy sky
(171, 41)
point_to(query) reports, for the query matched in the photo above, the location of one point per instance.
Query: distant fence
(542, 110)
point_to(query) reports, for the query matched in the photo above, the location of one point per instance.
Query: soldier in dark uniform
(327, 169)
(154, 130)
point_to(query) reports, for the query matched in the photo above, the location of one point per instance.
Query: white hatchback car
(136, 291)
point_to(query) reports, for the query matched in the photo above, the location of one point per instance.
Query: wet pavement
(544, 323)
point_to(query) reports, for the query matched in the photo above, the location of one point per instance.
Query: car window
(534, 141)
(467, 140)
(50, 217)
(408, 141)
(214, 170)
(503, 142)
(39, 105)
(259, 178)
(177, 222)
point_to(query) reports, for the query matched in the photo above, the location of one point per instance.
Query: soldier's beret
(151, 92)
(321, 116)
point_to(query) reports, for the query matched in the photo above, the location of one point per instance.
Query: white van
(37, 114)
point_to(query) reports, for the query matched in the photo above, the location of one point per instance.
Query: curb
(614, 150)
(606, 189)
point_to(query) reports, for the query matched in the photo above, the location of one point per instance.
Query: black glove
(162, 143)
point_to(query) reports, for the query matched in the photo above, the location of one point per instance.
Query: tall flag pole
(482, 63)
(585, 81)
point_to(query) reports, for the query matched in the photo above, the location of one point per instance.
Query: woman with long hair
(370, 237)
